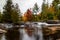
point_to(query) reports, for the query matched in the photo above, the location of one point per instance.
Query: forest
(12, 14)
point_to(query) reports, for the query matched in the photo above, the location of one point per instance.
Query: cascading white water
(2, 37)
(25, 36)
(38, 32)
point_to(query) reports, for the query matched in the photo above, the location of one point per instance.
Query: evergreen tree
(44, 11)
(11, 13)
(43, 6)
(7, 12)
(36, 8)
(0, 17)
(58, 12)
(15, 14)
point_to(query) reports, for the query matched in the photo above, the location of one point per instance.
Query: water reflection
(12, 34)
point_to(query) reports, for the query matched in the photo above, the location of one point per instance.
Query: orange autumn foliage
(27, 15)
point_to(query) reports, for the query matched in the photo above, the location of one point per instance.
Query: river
(21, 34)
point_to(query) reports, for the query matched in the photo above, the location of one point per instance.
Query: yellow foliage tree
(51, 9)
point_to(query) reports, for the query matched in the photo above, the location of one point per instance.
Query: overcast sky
(24, 4)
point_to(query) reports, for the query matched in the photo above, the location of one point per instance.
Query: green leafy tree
(45, 14)
(35, 18)
(50, 16)
(55, 4)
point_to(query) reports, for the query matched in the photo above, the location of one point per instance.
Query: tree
(15, 14)
(11, 12)
(50, 16)
(52, 12)
(28, 15)
(55, 5)
(43, 6)
(51, 9)
(24, 18)
(36, 8)
(45, 14)
(7, 12)
(58, 13)
(44, 11)
(35, 18)
(0, 17)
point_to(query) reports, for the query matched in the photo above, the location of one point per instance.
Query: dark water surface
(12, 35)
(15, 35)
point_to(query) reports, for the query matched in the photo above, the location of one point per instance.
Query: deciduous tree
(28, 15)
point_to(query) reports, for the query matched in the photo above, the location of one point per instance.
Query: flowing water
(20, 34)
(2, 37)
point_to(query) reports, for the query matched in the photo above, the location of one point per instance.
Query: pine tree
(11, 12)
(36, 8)
(44, 11)
(0, 17)
(7, 12)
(58, 12)
(43, 6)
(15, 14)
